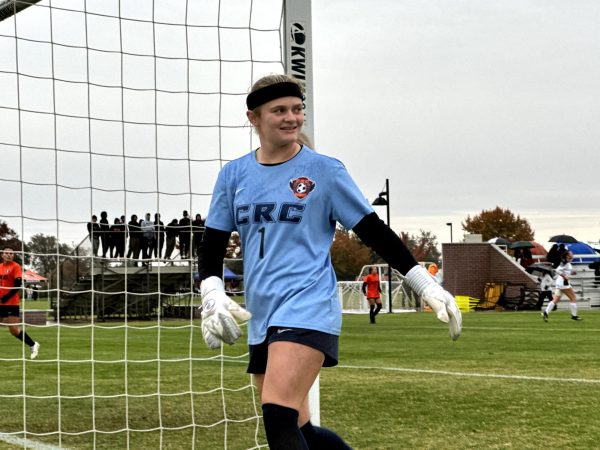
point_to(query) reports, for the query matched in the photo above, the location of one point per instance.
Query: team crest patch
(302, 186)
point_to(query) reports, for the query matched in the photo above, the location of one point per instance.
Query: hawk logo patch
(302, 186)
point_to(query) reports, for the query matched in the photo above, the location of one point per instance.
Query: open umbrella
(563, 238)
(499, 241)
(538, 249)
(521, 244)
(541, 268)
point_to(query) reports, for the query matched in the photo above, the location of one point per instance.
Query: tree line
(348, 253)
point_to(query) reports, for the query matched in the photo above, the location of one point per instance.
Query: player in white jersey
(563, 286)
(284, 200)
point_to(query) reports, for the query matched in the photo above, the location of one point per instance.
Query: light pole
(383, 199)
(450, 225)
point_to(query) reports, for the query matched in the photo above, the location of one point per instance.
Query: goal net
(400, 299)
(127, 107)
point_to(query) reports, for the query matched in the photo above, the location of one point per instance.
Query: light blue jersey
(286, 216)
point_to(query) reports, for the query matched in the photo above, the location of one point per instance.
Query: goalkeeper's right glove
(219, 314)
(441, 301)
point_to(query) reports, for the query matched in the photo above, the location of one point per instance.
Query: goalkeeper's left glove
(219, 314)
(441, 301)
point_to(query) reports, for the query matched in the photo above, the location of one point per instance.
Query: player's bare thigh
(291, 370)
(570, 293)
(558, 293)
(12, 323)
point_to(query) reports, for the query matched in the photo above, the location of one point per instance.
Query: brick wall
(468, 267)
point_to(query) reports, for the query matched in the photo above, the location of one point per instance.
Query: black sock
(377, 310)
(24, 336)
(281, 427)
(319, 438)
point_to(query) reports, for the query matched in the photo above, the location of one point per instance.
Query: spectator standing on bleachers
(125, 234)
(555, 254)
(518, 255)
(552, 254)
(121, 238)
(93, 229)
(134, 238)
(113, 238)
(185, 235)
(527, 258)
(159, 230)
(104, 233)
(172, 232)
(197, 233)
(148, 237)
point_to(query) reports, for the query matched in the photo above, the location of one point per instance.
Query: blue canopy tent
(228, 275)
(580, 250)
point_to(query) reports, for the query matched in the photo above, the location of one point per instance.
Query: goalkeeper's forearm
(387, 244)
(381, 238)
(390, 247)
(211, 253)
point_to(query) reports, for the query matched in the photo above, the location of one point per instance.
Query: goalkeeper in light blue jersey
(285, 200)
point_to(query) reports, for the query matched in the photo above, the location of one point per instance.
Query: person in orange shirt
(433, 269)
(372, 290)
(10, 310)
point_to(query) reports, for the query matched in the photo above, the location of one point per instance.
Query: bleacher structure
(117, 290)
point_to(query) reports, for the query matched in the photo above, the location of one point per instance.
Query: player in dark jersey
(10, 287)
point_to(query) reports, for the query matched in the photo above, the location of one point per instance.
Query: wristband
(418, 279)
(211, 284)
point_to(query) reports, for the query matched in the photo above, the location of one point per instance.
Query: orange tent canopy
(538, 249)
(31, 276)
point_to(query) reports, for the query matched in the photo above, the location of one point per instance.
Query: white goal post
(353, 301)
(298, 63)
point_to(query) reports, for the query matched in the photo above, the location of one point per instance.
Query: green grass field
(511, 381)
(42, 303)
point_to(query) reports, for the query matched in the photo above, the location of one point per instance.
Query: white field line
(466, 328)
(462, 374)
(27, 443)
(474, 374)
(550, 328)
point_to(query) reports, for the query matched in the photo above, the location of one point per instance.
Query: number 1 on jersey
(261, 253)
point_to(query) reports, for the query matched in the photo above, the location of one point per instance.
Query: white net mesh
(129, 107)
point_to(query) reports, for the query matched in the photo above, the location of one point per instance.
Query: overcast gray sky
(463, 105)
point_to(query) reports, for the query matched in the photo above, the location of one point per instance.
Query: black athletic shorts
(325, 342)
(10, 310)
